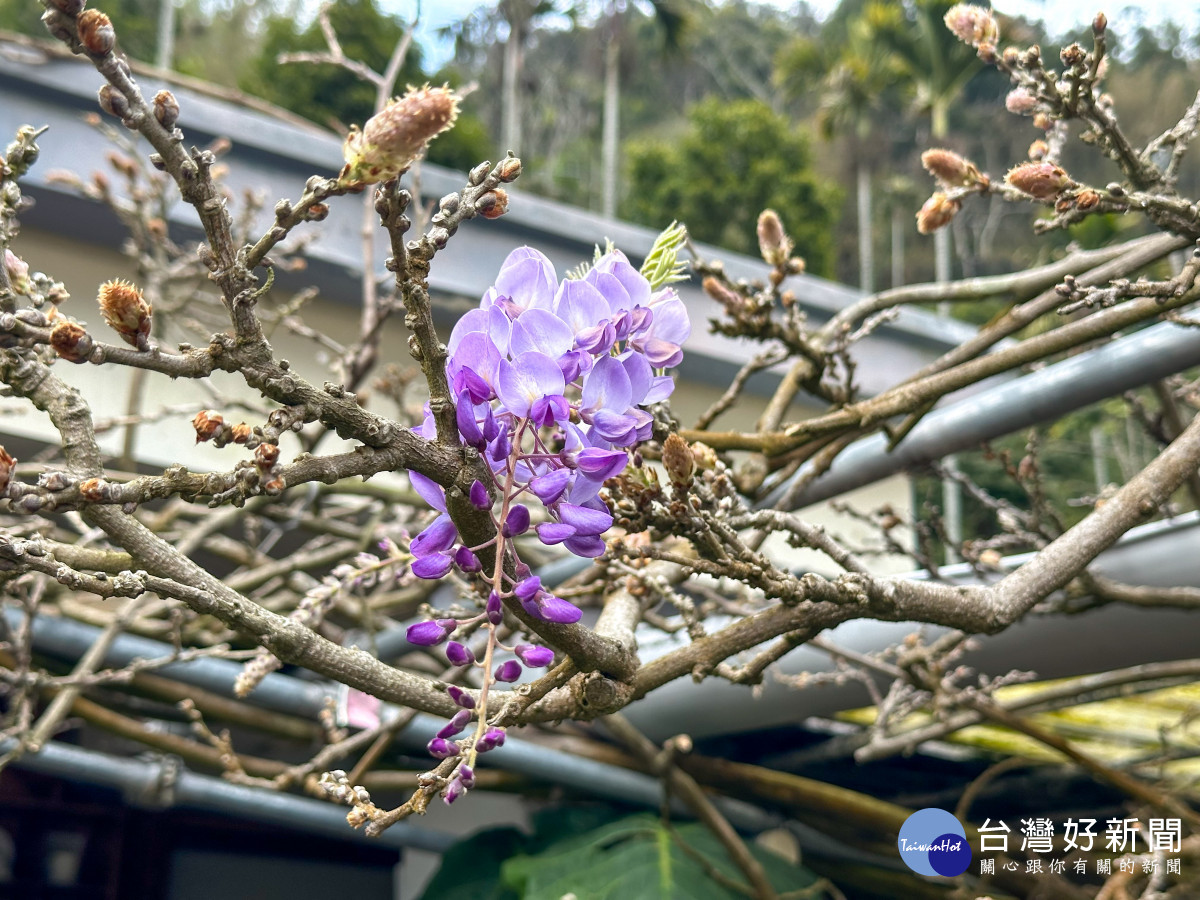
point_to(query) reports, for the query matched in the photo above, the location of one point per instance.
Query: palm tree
(671, 16)
(936, 67)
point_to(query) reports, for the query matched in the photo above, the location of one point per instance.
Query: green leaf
(470, 869)
(638, 859)
(663, 265)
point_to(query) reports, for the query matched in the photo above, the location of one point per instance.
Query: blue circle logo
(932, 842)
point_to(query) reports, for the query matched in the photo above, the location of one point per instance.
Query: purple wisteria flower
(552, 382)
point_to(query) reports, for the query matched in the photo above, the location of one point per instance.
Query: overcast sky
(1063, 15)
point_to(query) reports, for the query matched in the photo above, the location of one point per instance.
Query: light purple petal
(527, 278)
(527, 378)
(622, 430)
(661, 387)
(671, 322)
(635, 284)
(600, 464)
(607, 387)
(663, 354)
(580, 305)
(470, 322)
(640, 376)
(541, 330)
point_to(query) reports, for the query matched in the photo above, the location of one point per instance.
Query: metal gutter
(1137, 359)
(164, 784)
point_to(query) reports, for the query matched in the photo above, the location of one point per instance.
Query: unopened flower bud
(773, 242)
(517, 521)
(454, 789)
(96, 32)
(1099, 24)
(7, 466)
(491, 739)
(495, 608)
(266, 455)
(1087, 200)
(455, 726)
(17, 271)
(509, 169)
(509, 670)
(936, 213)
(318, 212)
(441, 748)
(1072, 55)
(93, 489)
(1043, 121)
(533, 655)
(493, 204)
(70, 341)
(467, 776)
(393, 138)
(459, 654)
(113, 101)
(166, 109)
(986, 53)
(126, 312)
(240, 433)
(678, 460)
(972, 24)
(460, 697)
(208, 424)
(1038, 150)
(429, 634)
(949, 168)
(1041, 180)
(1010, 56)
(70, 7)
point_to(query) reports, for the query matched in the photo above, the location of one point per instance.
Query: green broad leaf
(470, 869)
(663, 265)
(637, 858)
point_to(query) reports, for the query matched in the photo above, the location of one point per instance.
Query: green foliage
(735, 160)
(635, 858)
(329, 94)
(662, 265)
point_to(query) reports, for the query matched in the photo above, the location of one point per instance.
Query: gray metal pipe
(161, 785)
(1044, 395)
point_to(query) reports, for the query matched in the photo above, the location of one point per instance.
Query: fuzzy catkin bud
(392, 139)
(972, 24)
(166, 109)
(509, 169)
(936, 213)
(1020, 102)
(17, 271)
(70, 341)
(949, 168)
(126, 312)
(1038, 150)
(773, 242)
(1042, 180)
(678, 460)
(95, 32)
(1099, 24)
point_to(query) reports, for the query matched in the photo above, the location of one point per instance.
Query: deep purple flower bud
(499, 449)
(526, 589)
(468, 427)
(479, 495)
(466, 559)
(432, 567)
(442, 748)
(429, 634)
(517, 521)
(453, 791)
(459, 654)
(460, 721)
(549, 486)
(495, 608)
(509, 670)
(437, 538)
(460, 697)
(491, 739)
(467, 776)
(534, 656)
(491, 427)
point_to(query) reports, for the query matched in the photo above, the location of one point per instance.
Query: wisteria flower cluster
(551, 381)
